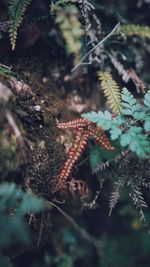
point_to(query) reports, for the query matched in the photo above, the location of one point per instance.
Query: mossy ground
(35, 118)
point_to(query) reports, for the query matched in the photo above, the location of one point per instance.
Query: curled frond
(111, 90)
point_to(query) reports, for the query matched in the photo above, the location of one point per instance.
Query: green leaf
(14, 203)
(129, 105)
(92, 116)
(115, 132)
(139, 115)
(147, 99)
(103, 120)
(127, 112)
(126, 139)
(95, 156)
(147, 124)
(136, 141)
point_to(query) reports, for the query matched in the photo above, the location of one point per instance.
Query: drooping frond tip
(16, 10)
(111, 90)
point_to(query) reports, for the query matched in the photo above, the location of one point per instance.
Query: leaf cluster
(14, 203)
(131, 126)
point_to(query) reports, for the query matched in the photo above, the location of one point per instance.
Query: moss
(10, 155)
(35, 119)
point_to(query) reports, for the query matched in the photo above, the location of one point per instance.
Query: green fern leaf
(111, 90)
(136, 141)
(146, 116)
(141, 31)
(115, 132)
(95, 156)
(103, 120)
(71, 29)
(18, 202)
(147, 124)
(147, 99)
(129, 105)
(16, 10)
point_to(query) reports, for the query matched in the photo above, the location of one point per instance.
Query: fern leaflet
(138, 199)
(147, 112)
(115, 195)
(129, 104)
(111, 91)
(141, 31)
(16, 10)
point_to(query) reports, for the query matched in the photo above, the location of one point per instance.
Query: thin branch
(83, 232)
(96, 46)
(41, 229)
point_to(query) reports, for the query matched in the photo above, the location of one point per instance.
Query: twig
(96, 46)
(83, 232)
(41, 229)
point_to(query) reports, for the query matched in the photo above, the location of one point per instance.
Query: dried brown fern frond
(119, 67)
(111, 90)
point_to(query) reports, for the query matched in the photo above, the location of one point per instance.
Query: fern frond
(71, 29)
(136, 141)
(138, 199)
(100, 137)
(73, 124)
(74, 154)
(16, 10)
(115, 195)
(146, 116)
(131, 29)
(111, 90)
(143, 182)
(147, 99)
(4, 26)
(129, 104)
(120, 68)
(101, 167)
